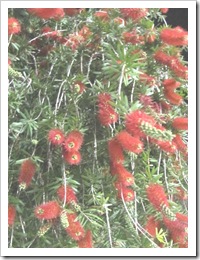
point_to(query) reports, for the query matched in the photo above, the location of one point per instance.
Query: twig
(23, 229)
(120, 80)
(159, 162)
(132, 91)
(108, 225)
(165, 174)
(11, 238)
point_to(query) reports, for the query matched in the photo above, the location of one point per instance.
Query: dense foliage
(97, 129)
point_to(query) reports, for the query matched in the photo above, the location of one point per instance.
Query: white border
(191, 250)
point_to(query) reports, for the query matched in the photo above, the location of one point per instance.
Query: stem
(132, 91)
(159, 162)
(120, 81)
(108, 225)
(11, 238)
(165, 174)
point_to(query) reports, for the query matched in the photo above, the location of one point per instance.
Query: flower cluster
(135, 14)
(174, 36)
(11, 214)
(14, 26)
(27, 171)
(169, 87)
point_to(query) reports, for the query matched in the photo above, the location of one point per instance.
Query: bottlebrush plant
(98, 127)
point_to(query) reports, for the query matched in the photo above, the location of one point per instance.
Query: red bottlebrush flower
(179, 143)
(27, 171)
(129, 143)
(173, 97)
(49, 210)
(72, 158)
(47, 13)
(9, 62)
(56, 136)
(107, 115)
(104, 98)
(86, 242)
(132, 37)
(68, 196)
(167, 146)
(157, 197)
(178, 68)
(119, 21)
(75, 230)
(51, 33)
(126, 193)
(162, 57)
(74, 41)
(150, 36)
(174, 36)
(180, 123)
(102, 15)
(165, 106)
(79, 87)
(14, 26)
(73, 11)
(85, 32)
(134, 120)
(171, 84)
(146, 100)
(134, 13)
(146, 79)
(181, 194)
(115, 152)
(164, 10)
(123, 176)
(11, 215)
(73, 141)
(151, 226)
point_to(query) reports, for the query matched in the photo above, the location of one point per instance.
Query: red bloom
(162, 57)
(151, 226)
(49, 210)
(27, 171)
(178, 68)
(72, 11)
(69, 195)
(173, 97)
(107, 114)
(146, 79)
(119, 20)
(174, 36)
(56, 136)
(180, 123)
(157, 197)
(134, 120)
(103, 15)
(74, 41)
(129, 143)
(72, 158)
(104, 98)
(11, 215)
(181, 194)
(86, 242)
(171, 84)
(165, 106)
(115, 152)
(132, 37)
(14, 26)
(167, 146)
(134, 13)
(75, 230)
(51, 33)
(85, 32)
(126, 193)
(123, 176)
(73, 141)
(179, 143)
(47, 13)
(164, 10)
(79, 87)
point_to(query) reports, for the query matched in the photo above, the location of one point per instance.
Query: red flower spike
(49, 210)
(129, 143)
(179, 143)
(115, 152)
(134, 120)
(173, 97)
(51, 33)
(47, 13)
(132, 37)
(162, 57)
(73, 141)
(181, 194)
(72, 158)
(75, 230)
(69, 196)
(180, 123)
(86, 242)
(79, 87)
(147, 79)
(14, 26)
(151, 226)
(127, 193)
(165, 106)
(123, 176)
(56, 136)
(107, 115)
(134, 13)
(102, 15)
(174, 36)
(167, 146)
(27, 171)
(157, 197)
(72, 11)
(178, 68)
(164, 10)
(104, 98)
(11, 215)
(170, 84)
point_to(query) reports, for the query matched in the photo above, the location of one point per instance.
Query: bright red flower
(69, 196)
(49, 210)
(104, 98)
(107, 115)
(74, 41)
(171, 84)
(72, 158)
(135, 119)
(165, 106)
(14, 26)
(79, 87)
(167, 146)
(115, 152)
(178, 68)
(11, 215)
(73, 11)
(86, 242)
(73, 141)
(134, 13)
(132, 37)
(102, 15)
(75, 230)
(164, 10)
(123, 176)
(174, 36)
(180, 123)
(126, 193)
(151, 226)
(47, 13)
(179, 143)
(27, 171)
(162, 57)
(147, 79)
(157, 197)
(129, 143)
(119, 20)
(51, 33)
(56, 136)
(173, 97)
